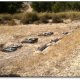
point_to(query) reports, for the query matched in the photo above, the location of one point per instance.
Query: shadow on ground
(10, 75)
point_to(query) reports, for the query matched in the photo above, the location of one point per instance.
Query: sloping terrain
(58, 59)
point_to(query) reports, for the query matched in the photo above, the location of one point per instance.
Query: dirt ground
(59, 59)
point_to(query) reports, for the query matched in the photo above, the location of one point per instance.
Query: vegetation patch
(57, 19)
(29, 18)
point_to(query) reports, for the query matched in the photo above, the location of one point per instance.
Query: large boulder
(30, 40)
(11, 48)
(46, 34)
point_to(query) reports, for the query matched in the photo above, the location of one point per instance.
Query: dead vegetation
(28, 60)
(38, 18)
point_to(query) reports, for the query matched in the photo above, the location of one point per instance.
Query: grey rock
(42, 47)
(46, 34)
(55, 40)
(30, 40)
(11, 48)
(65, 33)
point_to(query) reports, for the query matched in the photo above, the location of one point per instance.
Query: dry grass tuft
(29, 18)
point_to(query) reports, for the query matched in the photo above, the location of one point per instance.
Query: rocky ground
(56, 52)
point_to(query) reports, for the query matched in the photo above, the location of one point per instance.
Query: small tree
(41, 6)
(10, 7)
(75, 5)
(60, 6)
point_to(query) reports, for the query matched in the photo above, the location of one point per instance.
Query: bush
(55, 6)
(60, 6)
(17, 16)
(57, 19)
(74, 15)
(12, 22)
(4, 18)
(69, 15)
(63, 15)
(9, 19)
(29, 18)
(43, 17)
(42, 6)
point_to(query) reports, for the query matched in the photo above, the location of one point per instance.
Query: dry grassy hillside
(58, 59)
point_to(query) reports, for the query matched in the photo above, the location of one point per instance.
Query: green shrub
(60, 6)
(55, 6)
(29, 18)
(42, 6)
(10, 7)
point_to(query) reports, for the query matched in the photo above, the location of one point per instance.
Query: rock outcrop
(30, 40)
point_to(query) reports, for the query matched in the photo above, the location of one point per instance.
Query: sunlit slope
(53, 61)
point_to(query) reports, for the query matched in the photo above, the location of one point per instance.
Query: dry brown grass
(31, 17)
(38, 64)
(43, 64)
(69, 15)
